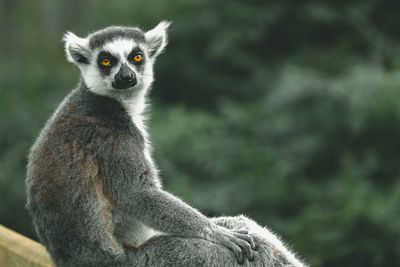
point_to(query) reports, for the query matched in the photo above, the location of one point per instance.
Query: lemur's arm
(133, 189)
(165, 212)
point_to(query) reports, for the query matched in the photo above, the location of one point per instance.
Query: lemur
(93, 189)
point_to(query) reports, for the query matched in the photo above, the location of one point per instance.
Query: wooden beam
(18, 250)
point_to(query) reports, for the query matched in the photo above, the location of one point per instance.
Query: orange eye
(137, 58)
(106, 62)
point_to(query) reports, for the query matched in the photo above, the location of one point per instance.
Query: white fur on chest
(136, 109)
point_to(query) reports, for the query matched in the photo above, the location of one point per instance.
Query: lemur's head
(117, 61)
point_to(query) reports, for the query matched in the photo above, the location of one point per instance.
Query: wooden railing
(19, 251)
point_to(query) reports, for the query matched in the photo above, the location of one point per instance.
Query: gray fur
(96, 199)
(99, 38)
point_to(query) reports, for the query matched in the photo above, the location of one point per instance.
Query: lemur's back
(67, 189)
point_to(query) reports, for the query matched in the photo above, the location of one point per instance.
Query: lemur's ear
(77, 49)
(157, 38)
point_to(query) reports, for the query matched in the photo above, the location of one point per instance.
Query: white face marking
(120, 47)
(100, 84)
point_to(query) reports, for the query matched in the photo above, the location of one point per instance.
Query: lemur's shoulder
(84, 112)
(86, 131)
(86, 126)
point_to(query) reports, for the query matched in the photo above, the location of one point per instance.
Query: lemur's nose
(125, 73)
(125, 78)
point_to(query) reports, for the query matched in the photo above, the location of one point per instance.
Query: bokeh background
(286, 111)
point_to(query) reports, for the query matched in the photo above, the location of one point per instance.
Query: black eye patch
(106, 61)
(135, 52)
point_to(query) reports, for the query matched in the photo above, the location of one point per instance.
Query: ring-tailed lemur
(93, 189)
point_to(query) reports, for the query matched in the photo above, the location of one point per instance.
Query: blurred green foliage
(287, 111)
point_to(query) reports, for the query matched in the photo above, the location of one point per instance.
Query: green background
(286, 111)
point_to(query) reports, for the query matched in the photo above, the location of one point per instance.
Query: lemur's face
(120, 64)
(117, 60)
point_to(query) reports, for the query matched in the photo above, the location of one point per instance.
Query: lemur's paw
(240, 242)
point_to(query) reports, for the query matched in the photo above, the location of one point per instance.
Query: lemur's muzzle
(125, 78)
